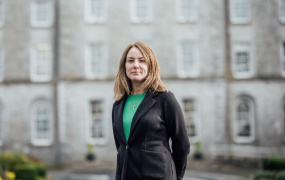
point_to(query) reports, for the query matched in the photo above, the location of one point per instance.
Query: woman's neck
(137, 89)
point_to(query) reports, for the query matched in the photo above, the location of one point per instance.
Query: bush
(41, 170)
(273, 163)
(280, 176)
(259, 175)
(26, 172)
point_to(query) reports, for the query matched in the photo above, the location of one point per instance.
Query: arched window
(244, 127)
(42, 123)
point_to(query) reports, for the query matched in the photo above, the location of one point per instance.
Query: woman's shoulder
(164, 94)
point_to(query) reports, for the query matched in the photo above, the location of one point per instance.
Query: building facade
(223, 59)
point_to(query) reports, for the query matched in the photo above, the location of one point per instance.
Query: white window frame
(189, 19)
(2, 56)
(34, 15)
(93, 140)
(89, 17)
(239, 20)
(2, 12)
(251, 138)
(90, 74)
(180, 65)
(41, 142)
(282, 57)
(196, 120)
(281, 18)
(35, 63)
(242, 47)
(135, 18)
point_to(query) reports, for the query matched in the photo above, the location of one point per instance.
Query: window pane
(188, 58)
(96, 8)
(43, 11)
(189, 114)
(2, 12)
(42, 121)
(142, 8)
(282, 8)
(97, 59)
(187, 8)
(243, 118)
(97, 119)
(241, 8)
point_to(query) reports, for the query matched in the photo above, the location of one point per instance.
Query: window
(188, 65)
(41, 13)
(1, 64)
(244, 127)
(187, 10)
(242, 65)
(284, 119)
(240, 11)
(96, 125)
(141, 11)
(282, 10)
(283, 59)
(96, 61)
(2, 13)
(42, 123)
(41, 63)
(95, 11)
(191, 119)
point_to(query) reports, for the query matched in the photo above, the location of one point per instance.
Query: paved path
(189, 175)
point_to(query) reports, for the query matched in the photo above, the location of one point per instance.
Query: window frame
(33, 14)
(34, 140)
(239, 20)
(94, 19)
(3, 6)
(183, 19)
(88, 61)
(33, 65)
(196, 119)
(242, 47)
(281, 19)
(251, 138)
(133, 11)
(93, 140)
(180, 64)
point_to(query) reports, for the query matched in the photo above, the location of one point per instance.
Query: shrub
(41, 170)
(26, 172)
(280, 176)
(259, 175)
(273, 163)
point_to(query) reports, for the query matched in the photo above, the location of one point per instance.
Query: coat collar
(145, 105)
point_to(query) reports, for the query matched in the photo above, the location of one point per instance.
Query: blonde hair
(152, 81)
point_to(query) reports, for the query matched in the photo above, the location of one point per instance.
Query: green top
(130, 110)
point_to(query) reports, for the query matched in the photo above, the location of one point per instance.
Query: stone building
(223, 59)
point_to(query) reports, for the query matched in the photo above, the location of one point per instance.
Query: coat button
(126, 146)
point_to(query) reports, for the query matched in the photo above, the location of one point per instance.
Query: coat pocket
(153, 164)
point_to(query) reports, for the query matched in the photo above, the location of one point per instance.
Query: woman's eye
(130, 60)
(142, 60)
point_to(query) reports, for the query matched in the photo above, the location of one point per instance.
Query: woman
(145, 116)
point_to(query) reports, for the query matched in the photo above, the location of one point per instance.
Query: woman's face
(136, 66)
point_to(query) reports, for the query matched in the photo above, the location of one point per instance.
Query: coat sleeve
(115, 138)
(176, 129)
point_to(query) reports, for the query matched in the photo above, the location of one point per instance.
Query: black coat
(147, 154)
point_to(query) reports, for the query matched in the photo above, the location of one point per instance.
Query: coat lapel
(119, 118)
(145, 105)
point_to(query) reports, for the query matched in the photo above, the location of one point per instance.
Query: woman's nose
(136, 64)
